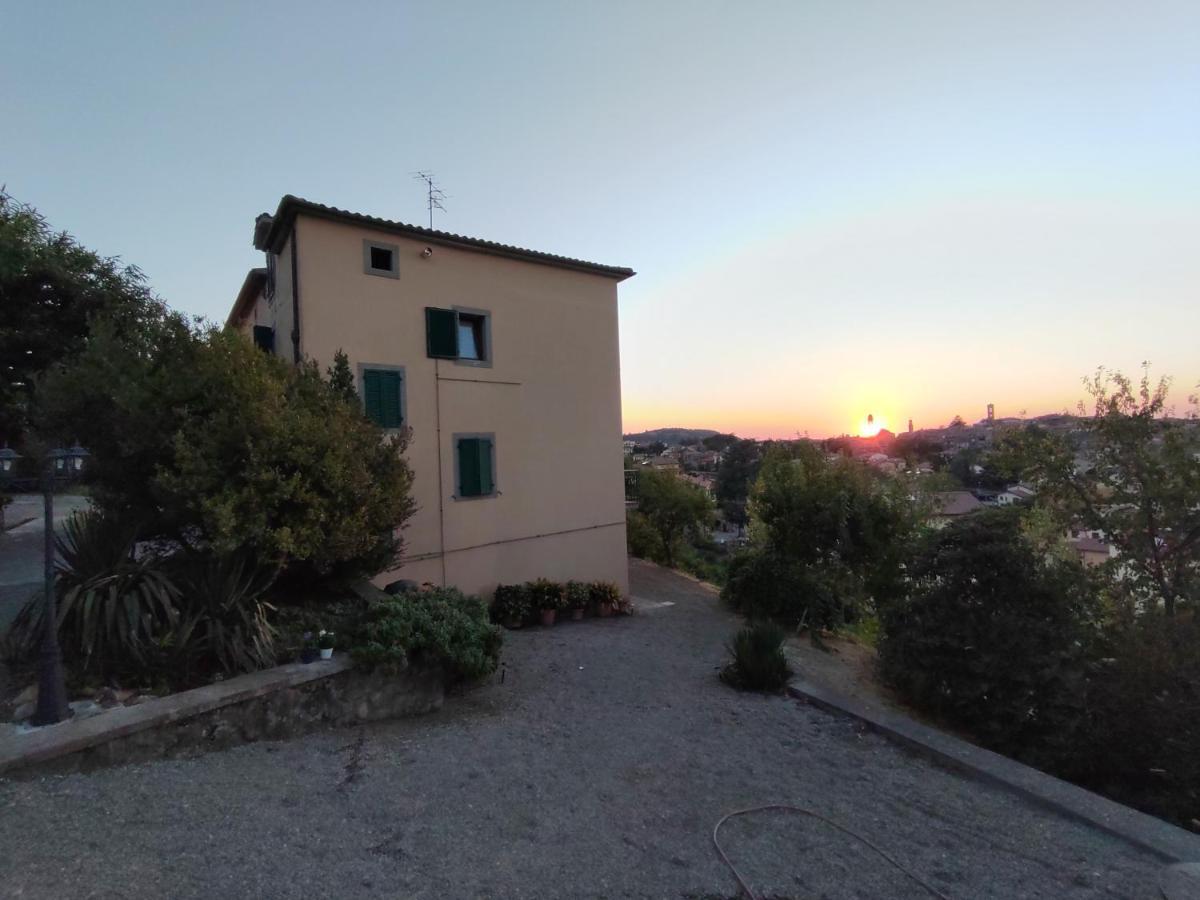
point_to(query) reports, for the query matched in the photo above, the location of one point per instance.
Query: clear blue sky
(835, 208)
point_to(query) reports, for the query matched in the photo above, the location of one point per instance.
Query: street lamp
(52, 690)
(8, 459)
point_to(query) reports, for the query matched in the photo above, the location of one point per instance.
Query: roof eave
(291, 206)
(252, 285)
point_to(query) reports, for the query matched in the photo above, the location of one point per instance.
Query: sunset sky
(909, 210)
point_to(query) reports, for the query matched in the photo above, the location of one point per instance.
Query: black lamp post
(52, 690)
(8, 460)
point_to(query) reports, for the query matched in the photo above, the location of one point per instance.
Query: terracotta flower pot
(577, 614)
(548, 616)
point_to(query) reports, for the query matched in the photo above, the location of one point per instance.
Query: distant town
(953, 467)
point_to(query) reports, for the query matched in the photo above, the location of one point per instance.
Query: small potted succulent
(606, 596)
(325, 643)
(579, 595)
(308, 650)
(548, 598)
(511, 605)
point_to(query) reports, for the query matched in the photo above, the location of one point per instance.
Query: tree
(675, 508)
(719, 442)
(51, 289)
(341, 379)
(204, 441)
(993, 635)
(735, 474)
(828, 539)
(1142, 489)
(957, 422)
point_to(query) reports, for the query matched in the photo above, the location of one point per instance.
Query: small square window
(381, 259)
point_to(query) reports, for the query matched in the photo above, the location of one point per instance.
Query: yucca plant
(114, 607)
(222, 623)
(758, 662)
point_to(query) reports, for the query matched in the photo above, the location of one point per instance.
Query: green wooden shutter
(487, 483)
(373, 395)
(389, 399)
(441, 333)
(468, 468)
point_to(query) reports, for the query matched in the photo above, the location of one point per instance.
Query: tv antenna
(433, 194)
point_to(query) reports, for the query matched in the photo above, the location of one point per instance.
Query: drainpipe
(437, 412)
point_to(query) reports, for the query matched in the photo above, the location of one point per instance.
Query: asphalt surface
(22, 548)
(596, 768)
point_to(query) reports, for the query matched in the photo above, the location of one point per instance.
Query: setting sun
(871, 426)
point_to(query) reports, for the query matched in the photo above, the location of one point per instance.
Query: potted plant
(511, 605)
(605, 595)
(548, 598)
(308, 650)
(325, 643)
(579, 595)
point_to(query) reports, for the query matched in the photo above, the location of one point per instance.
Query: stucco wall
(551, 397)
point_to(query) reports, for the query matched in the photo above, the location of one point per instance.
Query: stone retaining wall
(270, 705)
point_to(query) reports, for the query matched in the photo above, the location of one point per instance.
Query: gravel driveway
(597, 769)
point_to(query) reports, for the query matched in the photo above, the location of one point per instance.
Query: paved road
(596, 769)
(22, 548)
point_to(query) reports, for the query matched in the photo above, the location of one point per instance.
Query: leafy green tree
(993, 636)
(51, 289)
(829, 538)
(203, 440)
(735, 474)
(674, 508)
(1142, 489)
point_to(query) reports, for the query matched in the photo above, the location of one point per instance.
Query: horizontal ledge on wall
(478, 380)
(421, 557)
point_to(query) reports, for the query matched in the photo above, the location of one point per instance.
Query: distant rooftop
(271, 232)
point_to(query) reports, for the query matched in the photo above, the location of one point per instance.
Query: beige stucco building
(503, 362)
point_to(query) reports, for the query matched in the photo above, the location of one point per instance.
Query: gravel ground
(597, 769)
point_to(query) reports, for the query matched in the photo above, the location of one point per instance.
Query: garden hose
(934, 892)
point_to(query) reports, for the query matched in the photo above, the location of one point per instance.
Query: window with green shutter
(441, 333)
(383, 397)
(476, 465)
(461, 334)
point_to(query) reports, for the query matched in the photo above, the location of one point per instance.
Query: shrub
(641, 538)
(1143, 741)
(511, 603)
(545, 594)
(765, 584)
(579, 595)
(993, 637)
(440, 626)
(758, 662)
(207, 441)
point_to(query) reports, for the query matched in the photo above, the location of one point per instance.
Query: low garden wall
(269, 705)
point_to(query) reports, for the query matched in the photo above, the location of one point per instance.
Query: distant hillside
(671, 435)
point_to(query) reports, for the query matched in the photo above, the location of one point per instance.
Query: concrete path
(22, 548)
(596, 768)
